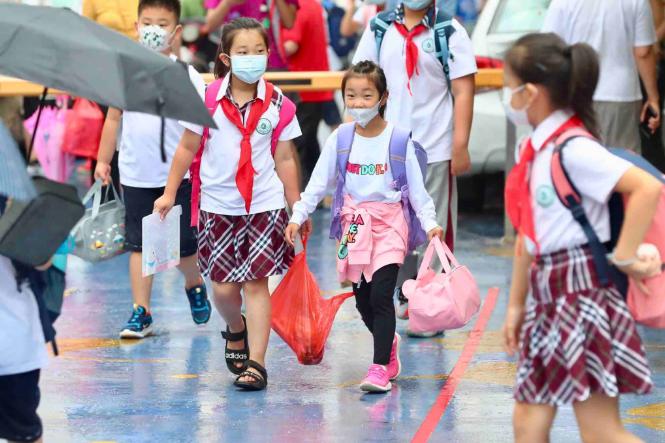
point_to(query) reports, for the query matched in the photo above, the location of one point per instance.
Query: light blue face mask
(417, 5)
(249, 68)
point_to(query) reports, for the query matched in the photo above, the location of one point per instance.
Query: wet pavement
(174, 387)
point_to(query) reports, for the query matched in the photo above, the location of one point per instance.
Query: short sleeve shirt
(613, 29)
(594, 172)
(219, 163)
(428, 109)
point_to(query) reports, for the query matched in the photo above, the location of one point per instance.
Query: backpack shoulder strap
(345, 134)
(399, 140)
(571, 198)
(443, 30)
(287, 112)
(563, 185)
(379, 26)
(211, 102)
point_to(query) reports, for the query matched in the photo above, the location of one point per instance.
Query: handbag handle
(443, 252)
(95, 193)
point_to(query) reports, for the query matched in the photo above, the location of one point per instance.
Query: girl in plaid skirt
(244, 179)
(576, 341)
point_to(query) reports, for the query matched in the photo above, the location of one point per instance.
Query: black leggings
(375, 303)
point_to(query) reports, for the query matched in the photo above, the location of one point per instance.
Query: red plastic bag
(83, 129)
(300, 315)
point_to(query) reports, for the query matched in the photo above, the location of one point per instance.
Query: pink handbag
(649, 309)
(441, 301)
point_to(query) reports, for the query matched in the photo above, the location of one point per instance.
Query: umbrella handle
(42, 101)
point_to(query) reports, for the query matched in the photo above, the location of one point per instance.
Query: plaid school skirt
(244, 247)
(578, 337)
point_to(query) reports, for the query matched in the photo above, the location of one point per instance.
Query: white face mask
(517, 116)
(155, 37)
(363, 116)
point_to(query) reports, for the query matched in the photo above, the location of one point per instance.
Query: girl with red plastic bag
(242, 185)
(376, 220)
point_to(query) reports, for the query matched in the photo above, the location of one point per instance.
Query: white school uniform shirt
(613, 28)
(22, 347)
(368, 178)
(140, 159)
(428, 113)
(219, 163)
(593, 170)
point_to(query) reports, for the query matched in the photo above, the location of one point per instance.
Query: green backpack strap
(379, 26)
(443, 29)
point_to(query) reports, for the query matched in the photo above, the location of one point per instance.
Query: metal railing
(287, 81)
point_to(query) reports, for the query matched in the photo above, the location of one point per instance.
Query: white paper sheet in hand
(161, 241)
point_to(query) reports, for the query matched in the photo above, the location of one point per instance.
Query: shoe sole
(424, 334)
(371, 387)
(399, 362)
(126, 333)
(207, 319)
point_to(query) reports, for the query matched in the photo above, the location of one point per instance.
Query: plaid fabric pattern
(578, 338)
(244, 247)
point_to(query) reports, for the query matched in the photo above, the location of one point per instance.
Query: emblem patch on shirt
(545, 196)
(264, 127)
(428, 45)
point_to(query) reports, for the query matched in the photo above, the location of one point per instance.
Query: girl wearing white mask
(371, 213)
(242, 171)
(576, 340)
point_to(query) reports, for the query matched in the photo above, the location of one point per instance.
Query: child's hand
(306, 228)
(163, 205)
(435, 232)
(290, 233)
(511, 329)
(103, 172)
(460, 162)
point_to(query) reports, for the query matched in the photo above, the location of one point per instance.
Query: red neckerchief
(411, 49)
(517, 191)
(245, 174)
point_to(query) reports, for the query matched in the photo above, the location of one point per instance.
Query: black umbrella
(60, 49)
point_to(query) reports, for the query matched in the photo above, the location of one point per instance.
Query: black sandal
(260, 380)
(234, 356)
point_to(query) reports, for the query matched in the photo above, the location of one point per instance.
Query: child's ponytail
(569, 73)
(584, 74)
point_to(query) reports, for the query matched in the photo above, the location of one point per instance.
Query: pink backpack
(440, 301)
(646, 309)
(287, 111)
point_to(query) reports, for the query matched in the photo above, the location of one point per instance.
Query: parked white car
(500, 24)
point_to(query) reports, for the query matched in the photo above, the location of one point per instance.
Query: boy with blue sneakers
(144, 169)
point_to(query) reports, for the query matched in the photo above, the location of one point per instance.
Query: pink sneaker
(394, 367)
(376, 380)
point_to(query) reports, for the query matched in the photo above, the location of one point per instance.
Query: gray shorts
(619, 124)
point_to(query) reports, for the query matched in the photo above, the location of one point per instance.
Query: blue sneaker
(199, 304)
(139, 324)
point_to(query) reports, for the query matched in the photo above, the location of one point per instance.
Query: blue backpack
(340, 44)
(397, 148)
(443, 29)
